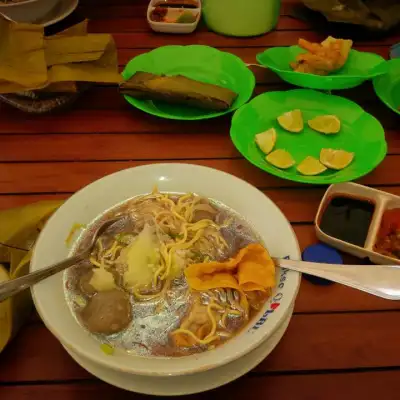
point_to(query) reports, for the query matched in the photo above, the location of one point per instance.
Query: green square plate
(359, 67)
(387, 87)
(202, 63)
(360, 133)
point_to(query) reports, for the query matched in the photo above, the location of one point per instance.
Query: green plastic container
(202, 63)
(359, 67)
(360, 133)
(241, 17)
(387, 86)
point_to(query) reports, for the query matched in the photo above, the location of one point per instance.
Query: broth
(149, 310)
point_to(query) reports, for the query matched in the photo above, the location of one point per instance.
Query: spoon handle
(14, 286)
(380, 280)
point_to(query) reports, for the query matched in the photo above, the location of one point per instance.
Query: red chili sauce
(388, 240)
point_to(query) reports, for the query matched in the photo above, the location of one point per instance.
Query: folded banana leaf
(61, 49)
(178, 90)
(379, 15)
(19, 228)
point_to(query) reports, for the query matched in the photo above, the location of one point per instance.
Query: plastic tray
(383, 202)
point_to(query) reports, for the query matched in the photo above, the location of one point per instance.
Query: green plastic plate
(360, 133)
(359, 67)
(387, 87)
(202, 63)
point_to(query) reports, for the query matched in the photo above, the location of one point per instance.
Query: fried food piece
(322, 58)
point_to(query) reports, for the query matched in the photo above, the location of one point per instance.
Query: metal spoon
(380, 280)
(14, 286)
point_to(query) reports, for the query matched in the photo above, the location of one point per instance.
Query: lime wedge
(280, 159)
(311, 166)
(292, 121)
(266, 140)
(328, 124)
(336, 159)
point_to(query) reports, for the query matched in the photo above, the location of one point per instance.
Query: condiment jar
(241, 17)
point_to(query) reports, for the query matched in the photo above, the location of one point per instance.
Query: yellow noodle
(95, 262)
(223, 319)
(167, 200)
(140, 296)
(183, 246)
(178, 216)
(157, 274)
(100, 244)
(212, 318)
(195, 338)
(205, 207)
(181, 241)
(183, 198)
(220, 240)
(164, 212)
(190, 209)
(113, 250)
(167, 224)
(203, 223)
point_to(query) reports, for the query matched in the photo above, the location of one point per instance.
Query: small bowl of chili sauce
(174, 16)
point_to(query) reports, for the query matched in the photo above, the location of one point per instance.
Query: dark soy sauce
(347, 219)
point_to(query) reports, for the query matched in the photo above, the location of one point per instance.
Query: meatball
(107, 312)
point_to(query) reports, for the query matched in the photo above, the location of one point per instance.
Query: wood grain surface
(340, 344)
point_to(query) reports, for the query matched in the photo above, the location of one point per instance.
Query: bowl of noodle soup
(183, 282)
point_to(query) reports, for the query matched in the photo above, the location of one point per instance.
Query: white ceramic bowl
(88, 203)
(28, 11)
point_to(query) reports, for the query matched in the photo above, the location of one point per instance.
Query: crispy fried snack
(322, 58)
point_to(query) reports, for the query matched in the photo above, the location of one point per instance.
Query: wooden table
(341, 343)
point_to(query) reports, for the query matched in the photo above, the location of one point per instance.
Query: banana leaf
(178, 90)
(19, 228)
(372, 14)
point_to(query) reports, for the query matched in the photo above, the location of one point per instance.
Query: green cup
(241, 17)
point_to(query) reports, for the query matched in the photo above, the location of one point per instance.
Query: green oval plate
(387, 87)
(202, 63)
(359, 67)
(360, 133)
